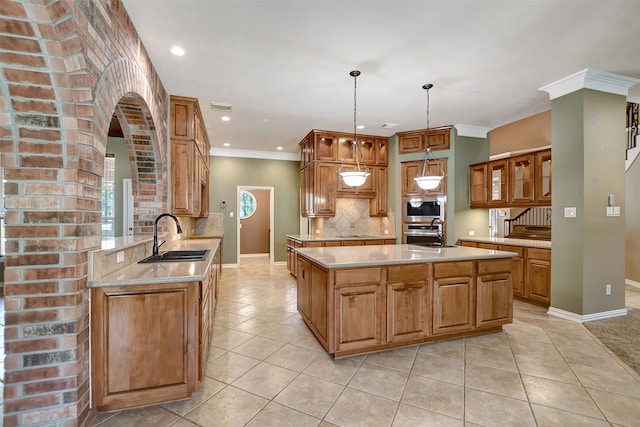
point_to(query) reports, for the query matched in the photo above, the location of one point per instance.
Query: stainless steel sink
(177, 256)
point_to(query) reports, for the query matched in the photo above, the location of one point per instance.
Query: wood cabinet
(208, 300)
(126, 323)
(304, 287)
(516, 181)
(318, 185)
(190, 161)
(543, 177)
(521, 174)
(412, 169)
(453, 297)
(366, 190)
(517, 268)
(358, 305)
(408, 302)
(379, 204)
(537, 278)
(416, 140)
(494, 305)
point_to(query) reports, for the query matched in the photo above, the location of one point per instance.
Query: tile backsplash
(352, 217)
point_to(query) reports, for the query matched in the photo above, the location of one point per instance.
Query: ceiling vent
(389, 125)
(220, 107)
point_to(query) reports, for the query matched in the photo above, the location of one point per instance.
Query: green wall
(588, 165)
(118, 147)
(227, 173)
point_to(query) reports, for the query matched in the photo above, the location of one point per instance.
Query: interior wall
(525, 134)
(632, 225)
(227, 173)
(588, 250)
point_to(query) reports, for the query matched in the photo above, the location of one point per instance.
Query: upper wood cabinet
(378, 206)
(416, 140)
(329, 146)
(190, 161)
(414, 168)
(517, 181)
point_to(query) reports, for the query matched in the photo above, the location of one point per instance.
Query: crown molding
(590, 79)
(253, 154)
(472, 131)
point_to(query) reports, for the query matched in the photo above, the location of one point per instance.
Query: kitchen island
(151, 325)
(371, 298)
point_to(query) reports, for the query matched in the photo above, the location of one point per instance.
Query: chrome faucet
(156, 246)
(440, 231)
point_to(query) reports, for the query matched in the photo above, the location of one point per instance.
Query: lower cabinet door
(319, 301)
(304, 287)
(495, 300)
(408, 302)
(358, 317)
(453, 304)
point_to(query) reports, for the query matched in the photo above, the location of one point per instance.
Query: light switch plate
(569, 212)
(119, 257)
(609, 210)
(616, 211)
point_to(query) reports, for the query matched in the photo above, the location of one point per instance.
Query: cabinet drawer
(358, 276)
(494, 266)
(407, 273)
(492, 246)
(453, 269)
(516, 249)
(543, 254)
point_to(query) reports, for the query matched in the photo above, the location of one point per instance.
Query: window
(108, 193)
(248, 204)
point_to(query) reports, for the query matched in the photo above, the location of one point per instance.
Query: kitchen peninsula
(358, 299)
(151, 325)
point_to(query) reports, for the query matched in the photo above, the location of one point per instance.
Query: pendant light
(357, 177)
(424, 180)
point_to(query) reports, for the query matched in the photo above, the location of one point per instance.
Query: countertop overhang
(164, 272)
(531, 243)
(323, 238)
(375, 255)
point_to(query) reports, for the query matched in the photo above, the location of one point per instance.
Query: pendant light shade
(357, 177)
(425, 180)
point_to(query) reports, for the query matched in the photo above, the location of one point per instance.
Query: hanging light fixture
(357, 177)
(425, 180)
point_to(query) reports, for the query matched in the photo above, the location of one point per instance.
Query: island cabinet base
(366, 309)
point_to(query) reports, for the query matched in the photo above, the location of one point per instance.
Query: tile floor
(266, 369)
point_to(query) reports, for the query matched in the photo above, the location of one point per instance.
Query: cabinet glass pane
(522, 180)
(546, 178)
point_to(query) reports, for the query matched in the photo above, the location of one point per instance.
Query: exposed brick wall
(65, 68)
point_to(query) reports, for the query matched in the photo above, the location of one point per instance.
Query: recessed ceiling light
(226, 144)
(279, 148)
(177, 51)
(360, 126)
(225, 118)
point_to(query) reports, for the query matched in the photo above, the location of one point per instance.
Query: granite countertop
(323, 238)
(164, 272)
(530, 243)
(377, 255)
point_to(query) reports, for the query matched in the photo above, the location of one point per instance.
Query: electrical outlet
(119, 257)
(231, 214)
(386, 231)
(472, 233)
(569, 212)
(607, 289)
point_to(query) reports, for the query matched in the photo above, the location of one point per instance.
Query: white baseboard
(581, 318)
(280, 263)
(229, 265)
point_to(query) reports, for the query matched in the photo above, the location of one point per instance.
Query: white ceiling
(284, 65)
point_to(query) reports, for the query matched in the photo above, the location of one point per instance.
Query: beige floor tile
(527, 332)
(534, 348)
(398, 359)
(276, 315)
(208, 388)
(550, 417)
(308, 340)
(448, 348)
(230, 407)
(357, 408)
(251, 310)
(183, 423)
(494, 380)
(293, 357)
(312, 396)
(606, 379)
(567, 397)
(151, 416)
(435, 396)
(335, 370)
(590, 354)
(277, 415)
(258, 348)
(552, 369)
(229, 306)
(254, 326)
(265, 380)
(295, 321)
(496, 341)
(215, 352)
(379, 380)
(228, 320)
(622, 410)
(410, 416)
(229, 367)
(281, 332)
(488, 409)
(492, 358)
(439, 368)
(230, 339)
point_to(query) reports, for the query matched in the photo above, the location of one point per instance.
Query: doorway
(255, 222)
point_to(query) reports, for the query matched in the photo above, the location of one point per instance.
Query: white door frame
(271, 222)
